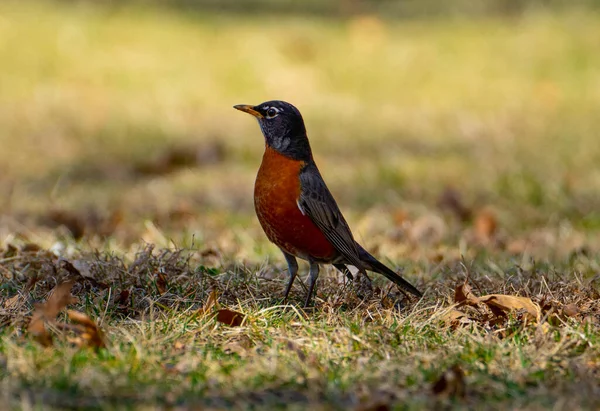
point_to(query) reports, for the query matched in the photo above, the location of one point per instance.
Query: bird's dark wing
(318, 204)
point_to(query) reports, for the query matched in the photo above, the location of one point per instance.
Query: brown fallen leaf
(570, 310)
(211, 301)
(486, 224)
(451, 199)
(501, 304)
(37, 329)
(31, 248)
(451, 383)
(31, 282)
(229, 317)
(73, 222)
(122, 299)
(161, 282)
(47, 312)
(70, 268)
(464, 295)
(173, 158)
(518, 246)
(454, 318)
(400, 217)
(89, 333)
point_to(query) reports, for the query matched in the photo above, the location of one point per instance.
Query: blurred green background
(116, 117)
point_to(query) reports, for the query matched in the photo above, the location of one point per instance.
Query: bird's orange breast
(276, 194)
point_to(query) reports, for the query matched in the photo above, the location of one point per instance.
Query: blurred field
(438, 137)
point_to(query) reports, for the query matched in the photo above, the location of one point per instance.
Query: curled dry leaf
(88, 333)
(451, 383)
(231, 318)
(501, 304)
(47, 312)
(454, 318)
(486, 224)
(211, 301)
(570, 310)
(464, 295)
(161, 282)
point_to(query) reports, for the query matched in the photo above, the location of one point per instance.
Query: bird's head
(283, 127)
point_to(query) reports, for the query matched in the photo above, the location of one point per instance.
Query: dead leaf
(47, 312)
(31, 282)
(161, 282)
(123, 298)
(31, 248)
(89, 333)
(73, 222)
(570, 310)
(451, 199)
(172, 159)
(451, 383)
(229, 317)
(464, 295)
(70, 268)
(401, 217)
(455, 318)
(37, 328)
(486, 224)
(501, 304)
(211, 301)
(517, 247)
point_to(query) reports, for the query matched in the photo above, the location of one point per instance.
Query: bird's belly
(276, 193)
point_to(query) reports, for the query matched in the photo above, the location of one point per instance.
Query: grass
(412, 122)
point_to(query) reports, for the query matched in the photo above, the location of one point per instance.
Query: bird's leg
(343, 269)
(293, 270)
(312, 279)
(364, 286)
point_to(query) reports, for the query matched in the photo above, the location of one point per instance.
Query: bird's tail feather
(372, 264)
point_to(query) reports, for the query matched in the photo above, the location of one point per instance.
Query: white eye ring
(272, 112)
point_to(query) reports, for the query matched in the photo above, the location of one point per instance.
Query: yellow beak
(248, 109)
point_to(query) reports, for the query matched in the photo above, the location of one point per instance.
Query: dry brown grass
(456, 148)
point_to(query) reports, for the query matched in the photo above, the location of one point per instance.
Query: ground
(460, 149)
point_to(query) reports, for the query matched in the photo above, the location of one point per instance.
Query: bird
(296, 209)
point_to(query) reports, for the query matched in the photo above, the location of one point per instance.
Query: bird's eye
(272, 112)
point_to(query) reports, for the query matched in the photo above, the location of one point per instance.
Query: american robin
(296, 209)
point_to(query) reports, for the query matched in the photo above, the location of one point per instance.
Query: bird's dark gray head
(283, 127)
